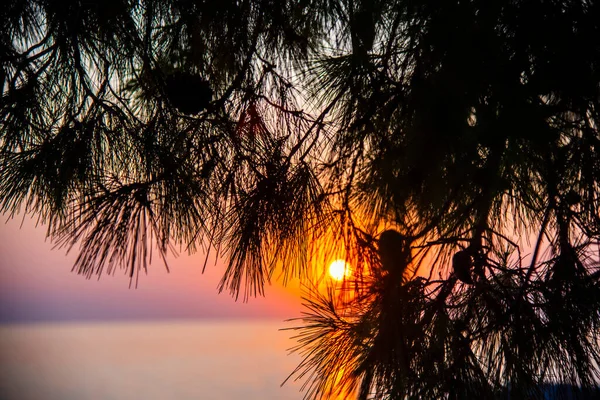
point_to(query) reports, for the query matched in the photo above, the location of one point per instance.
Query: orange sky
(36, 283)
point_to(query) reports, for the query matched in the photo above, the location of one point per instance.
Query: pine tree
(449, 150)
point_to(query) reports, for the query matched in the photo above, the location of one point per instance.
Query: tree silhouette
(448, 149)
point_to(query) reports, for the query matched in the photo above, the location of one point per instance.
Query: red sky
(36, 284)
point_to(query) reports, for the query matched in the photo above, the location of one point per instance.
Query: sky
(36, 284)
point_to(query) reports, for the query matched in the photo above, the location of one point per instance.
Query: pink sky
(36, 283)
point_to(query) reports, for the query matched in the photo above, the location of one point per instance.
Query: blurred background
(171, 337)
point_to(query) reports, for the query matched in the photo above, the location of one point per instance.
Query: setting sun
(338, 269)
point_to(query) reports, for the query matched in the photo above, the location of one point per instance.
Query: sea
(179, 360)
(157, 360)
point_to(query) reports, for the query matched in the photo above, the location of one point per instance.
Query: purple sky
(36, 284)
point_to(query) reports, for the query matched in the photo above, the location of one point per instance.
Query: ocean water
(147, 360)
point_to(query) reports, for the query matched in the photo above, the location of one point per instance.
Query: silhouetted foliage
(450, 149)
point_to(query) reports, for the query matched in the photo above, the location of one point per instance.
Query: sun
(338, 269)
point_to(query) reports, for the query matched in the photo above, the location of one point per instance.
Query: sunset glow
(339, 269)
